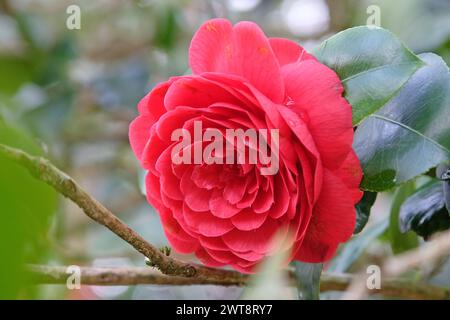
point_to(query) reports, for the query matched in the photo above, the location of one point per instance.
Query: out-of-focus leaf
(166, 27)
(54, 64)
(372, 64)
(308, 279)
(353, 249)
(423, 28)
(363, 210)
(444, 51)
(15, 71)
(26, 206)
(411, 133)
(399, 241)
(424, 212)
(48, 119)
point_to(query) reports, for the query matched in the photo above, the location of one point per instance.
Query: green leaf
(424, 212)
(363, 210)
(411, 134)
(18, 71)
(372, 64)
(447, 195)
(353, 249)
(308, 279)
(167, 27)
(26, 206)
(399, 241)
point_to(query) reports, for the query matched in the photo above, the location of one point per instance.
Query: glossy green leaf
(308, 279)
(411, 134)
(399, 241)
(26, 208)
(447, 195)
(424, 212)
(363, 210)
(372, 64)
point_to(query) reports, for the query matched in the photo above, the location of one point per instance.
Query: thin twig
(42, 169)
(427, 253)
(102, 276)
(397, 265)
(113, 276)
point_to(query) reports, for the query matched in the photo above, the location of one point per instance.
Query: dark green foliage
(425, 211)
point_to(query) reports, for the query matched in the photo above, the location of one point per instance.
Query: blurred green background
(70, 95)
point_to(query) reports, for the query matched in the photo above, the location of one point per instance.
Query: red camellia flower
(228, 214)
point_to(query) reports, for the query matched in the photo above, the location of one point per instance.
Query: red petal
(170, 184)
(178, 238)
(214, 243)
(288, 51)
(196, 92)
(258, 240)
(139, 134)
(264, 201)
(153, 150)
(247, 200)
(245, 269)
(307, 153)
(332, 222)
(281, 198)
(174, 119)
(243, 50)
(247, 220)
(235, 190)
(220, 207)
(153, 103)
(206, 224)
(206, 258)
(316, 94)
(153, 190)
(196, 198)
(250, 256)
(351, 174)
(206, 176)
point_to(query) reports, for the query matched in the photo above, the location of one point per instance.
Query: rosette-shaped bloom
(228, 214)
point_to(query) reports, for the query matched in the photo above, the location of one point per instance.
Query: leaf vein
(412, 130)
(376, 69)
